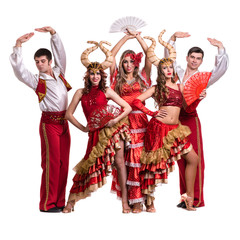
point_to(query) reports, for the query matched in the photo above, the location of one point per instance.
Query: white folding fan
(131, 23)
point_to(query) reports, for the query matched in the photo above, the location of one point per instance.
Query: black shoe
(53, 210)
(61, 208)
(182, 205)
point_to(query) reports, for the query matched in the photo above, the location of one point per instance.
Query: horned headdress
(104, 65)
(152, 56)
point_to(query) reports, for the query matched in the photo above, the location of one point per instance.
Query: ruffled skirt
(138, 124)
(164, 144)
(92, 170)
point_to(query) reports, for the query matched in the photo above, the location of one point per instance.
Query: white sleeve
(177, 68)
(20, 70)
(221, 65)
(58, 52)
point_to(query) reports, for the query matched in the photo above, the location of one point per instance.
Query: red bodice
(174, 98)
(133, 90)
(130, 92)
(93, 100)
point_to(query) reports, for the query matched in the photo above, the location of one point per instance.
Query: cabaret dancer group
(139, 154)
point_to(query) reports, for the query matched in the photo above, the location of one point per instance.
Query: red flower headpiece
(135, 57)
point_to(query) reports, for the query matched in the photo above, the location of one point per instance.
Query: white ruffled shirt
(56, 98)
(221, 65)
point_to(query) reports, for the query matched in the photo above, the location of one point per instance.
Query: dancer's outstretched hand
(179, 35)
(23, 39)
(132, 34)
(46, 29)
(215, 42)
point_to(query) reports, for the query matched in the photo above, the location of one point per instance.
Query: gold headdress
(94, 66)
(152, 56)
(166, 61)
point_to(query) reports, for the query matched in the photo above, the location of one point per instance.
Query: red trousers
(192, 121)
(55, 148)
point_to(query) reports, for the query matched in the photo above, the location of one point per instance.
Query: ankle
(70, 207)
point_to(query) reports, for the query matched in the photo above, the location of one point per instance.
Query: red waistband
(54, 117)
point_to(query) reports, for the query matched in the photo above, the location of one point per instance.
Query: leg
(122, 176)
(192, 160)
(50, 148)
(138, 124)
(196, 139)
(70, 206)
(64, 160)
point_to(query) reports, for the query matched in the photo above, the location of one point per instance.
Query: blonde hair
(122, 76)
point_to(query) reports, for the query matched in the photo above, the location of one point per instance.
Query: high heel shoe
(137, 208)
(150, 208)
(69, 208)
(188, 201)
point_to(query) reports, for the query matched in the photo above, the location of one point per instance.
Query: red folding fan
(195, 85)
(101, 116)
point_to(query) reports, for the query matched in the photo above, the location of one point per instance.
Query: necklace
(129, 82)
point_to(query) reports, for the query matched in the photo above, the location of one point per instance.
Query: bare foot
(125, 208)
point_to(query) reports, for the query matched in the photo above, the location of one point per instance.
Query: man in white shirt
(194, 60)
(51, 89)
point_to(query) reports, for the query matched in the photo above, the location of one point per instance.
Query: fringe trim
(133, 165)
(132, 183)
(181, 132)
(120, 128)
(137, 200)
(87, 193)
(115, 192)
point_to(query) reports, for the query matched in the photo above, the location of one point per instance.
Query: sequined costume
(92, 170)
(138, 123)
(164, 144)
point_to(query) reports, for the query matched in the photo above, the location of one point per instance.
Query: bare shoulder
(78, 94)
(79, 91)
(152, 89)
(110, 92)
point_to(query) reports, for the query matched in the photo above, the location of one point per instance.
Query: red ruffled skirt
(164, 144)
(138, 124)
(92, 170)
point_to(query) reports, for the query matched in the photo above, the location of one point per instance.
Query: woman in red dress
(129, 83)
(166, 139)
(105, 143)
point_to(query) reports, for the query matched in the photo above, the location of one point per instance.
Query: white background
(100, 216)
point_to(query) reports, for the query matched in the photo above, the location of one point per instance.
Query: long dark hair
(161, 91)
(87, 82)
